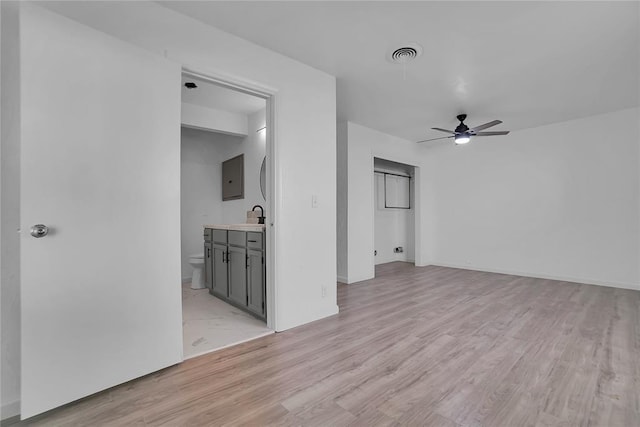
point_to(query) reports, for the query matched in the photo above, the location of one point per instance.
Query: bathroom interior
(223, 201)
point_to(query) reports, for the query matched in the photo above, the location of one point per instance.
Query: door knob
(39, 230)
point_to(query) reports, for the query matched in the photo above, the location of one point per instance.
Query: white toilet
(197, 262)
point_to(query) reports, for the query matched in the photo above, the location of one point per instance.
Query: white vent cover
(404, 54)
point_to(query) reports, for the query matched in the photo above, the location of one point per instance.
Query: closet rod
(394, 174)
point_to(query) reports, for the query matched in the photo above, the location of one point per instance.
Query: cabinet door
(208, 265)
(220, 273)
(233, 178)
(238, 275)
(256, 282)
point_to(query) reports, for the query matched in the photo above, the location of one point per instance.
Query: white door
(100, 167)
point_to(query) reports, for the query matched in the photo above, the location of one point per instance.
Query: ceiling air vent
(404, 54)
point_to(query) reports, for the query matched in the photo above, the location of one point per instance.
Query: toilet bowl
(197, 262)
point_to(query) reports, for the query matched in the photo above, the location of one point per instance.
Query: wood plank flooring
(428, 346)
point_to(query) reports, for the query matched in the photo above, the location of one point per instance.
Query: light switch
(314, 201)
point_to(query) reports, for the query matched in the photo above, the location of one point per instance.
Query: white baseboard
(394, 259)
(186, 280)
(359, 279)
(580, 280)
(9, 410)
(342, 279)
(311, 317)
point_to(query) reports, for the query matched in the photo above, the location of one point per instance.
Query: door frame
(271, 152)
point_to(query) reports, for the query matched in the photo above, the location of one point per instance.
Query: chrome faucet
(261, 217)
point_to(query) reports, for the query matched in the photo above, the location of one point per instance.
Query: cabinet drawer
(255, 240)
(219, 236)
(207, 234)
(238, 238)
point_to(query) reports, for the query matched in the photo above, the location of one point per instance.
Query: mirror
(263, 178)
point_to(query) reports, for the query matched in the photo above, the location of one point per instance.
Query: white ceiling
(220, 98)
(526, 63)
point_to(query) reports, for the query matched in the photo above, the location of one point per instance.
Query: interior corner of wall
(9, 410)
(336, 310)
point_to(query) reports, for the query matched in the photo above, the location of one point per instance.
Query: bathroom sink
(239, 227)
(252, 226)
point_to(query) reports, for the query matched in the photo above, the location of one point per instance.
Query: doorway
(394, 212)
(222, 128)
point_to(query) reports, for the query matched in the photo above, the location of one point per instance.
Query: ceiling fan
(463, 133)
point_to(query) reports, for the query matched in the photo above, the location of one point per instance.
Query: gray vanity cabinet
(208, 264)
(238, 274)
(256, 274)
(208, 261)
(255, 281)
(220, 272)
(218, 262)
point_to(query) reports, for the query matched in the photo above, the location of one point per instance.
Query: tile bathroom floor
(209, 323)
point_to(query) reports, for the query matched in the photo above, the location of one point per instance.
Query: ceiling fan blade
(444, 130)
(485, 126)
(434, 139)
(495, 133)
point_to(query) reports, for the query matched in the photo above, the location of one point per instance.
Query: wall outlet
(324, 291)
(314, 201)
(398, 250)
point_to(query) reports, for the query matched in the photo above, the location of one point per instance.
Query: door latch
(39, 230)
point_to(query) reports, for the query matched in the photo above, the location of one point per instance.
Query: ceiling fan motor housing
(462, 127)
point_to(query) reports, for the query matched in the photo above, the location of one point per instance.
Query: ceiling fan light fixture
(463, 133)
(462, 138)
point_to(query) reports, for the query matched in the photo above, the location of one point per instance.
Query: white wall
(304, 134)
(558, 201)
(253, 148)
(362, 145)
(342, 201)
(10, 211)
(201, 157)
(199, 117)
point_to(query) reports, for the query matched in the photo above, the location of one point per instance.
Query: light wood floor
(429, 346)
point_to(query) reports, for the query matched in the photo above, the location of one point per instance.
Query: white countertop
(237, 227)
